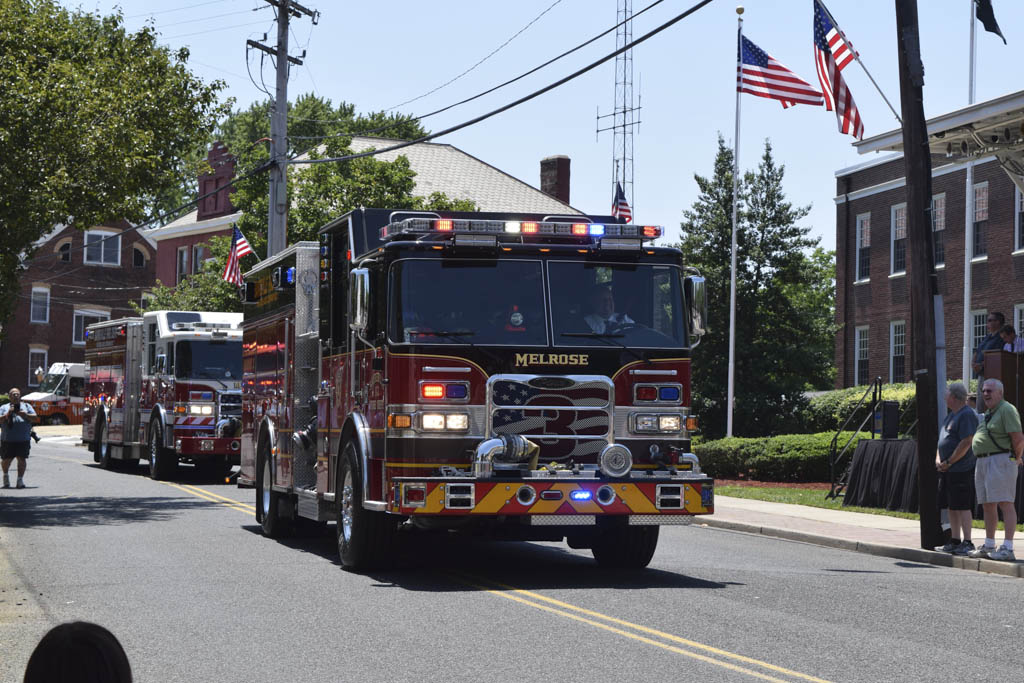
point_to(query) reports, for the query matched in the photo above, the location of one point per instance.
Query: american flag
(759, 74)
(831, 54)
(239, 248)
(620, 207)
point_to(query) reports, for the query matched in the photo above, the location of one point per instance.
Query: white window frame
(197, 261)
(1018, 318)
(857, 352)
(105, 234)
(861, 218)
(1018, 220)
(975, 339)
(179, 272)
(892, 240)
(45, 365)
(31, 305)
(974, 219)
(936, 197)
(85, 312)
(892, 350)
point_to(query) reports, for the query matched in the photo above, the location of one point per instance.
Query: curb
(1012, 569)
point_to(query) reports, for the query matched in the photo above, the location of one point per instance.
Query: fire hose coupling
(507, 448)
(615, 460)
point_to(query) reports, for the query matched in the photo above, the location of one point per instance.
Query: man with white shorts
(998, 446)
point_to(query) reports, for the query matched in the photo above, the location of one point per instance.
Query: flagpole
(857, 57)
(969, 221)
(735, 185)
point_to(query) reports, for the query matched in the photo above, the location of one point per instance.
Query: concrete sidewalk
(874, 534)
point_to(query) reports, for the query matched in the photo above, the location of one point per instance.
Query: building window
(40, 309)
(64, 253)
(1018, 318)
(939, 228)
(899, 239)
(897, 351)
(84, 318)
(182, 264)
(197, 258)
(864, 246)
(861, 355)
(980, 219)
(103, 248)
(138, 258)
(36, 360)
(979, 327)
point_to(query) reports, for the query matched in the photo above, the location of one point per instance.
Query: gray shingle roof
(444, 168)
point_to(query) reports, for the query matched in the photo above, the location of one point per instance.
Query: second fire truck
(521, 376)
(165, 387)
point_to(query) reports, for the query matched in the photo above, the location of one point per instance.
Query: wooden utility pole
(921, 266)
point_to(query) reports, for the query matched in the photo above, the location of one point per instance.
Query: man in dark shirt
(991, 342)
(955, 462)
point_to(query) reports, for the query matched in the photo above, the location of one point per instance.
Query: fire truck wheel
(58, 419)
(163, 464)
(626, 547)
(366, 539)
(268, 501)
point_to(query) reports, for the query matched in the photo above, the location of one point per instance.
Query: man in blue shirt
(16, 419)
(955, 462)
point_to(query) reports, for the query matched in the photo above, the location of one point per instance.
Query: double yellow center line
(643, 634)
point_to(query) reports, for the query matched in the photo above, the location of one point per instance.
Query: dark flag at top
(988, 18)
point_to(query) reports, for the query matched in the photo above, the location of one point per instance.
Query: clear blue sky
(381, 53)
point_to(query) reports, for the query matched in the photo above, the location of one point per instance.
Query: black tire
(268, 501)
(625, 547)
(58, 419)
(163, 464)
(95, 445)
(366, 539)
(103, 446)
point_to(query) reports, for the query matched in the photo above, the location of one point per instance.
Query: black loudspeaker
(887, 420)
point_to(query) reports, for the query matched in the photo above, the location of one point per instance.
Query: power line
(492, 53)
(516, 103)
(177, 9)
(212, 30)
(212, 16)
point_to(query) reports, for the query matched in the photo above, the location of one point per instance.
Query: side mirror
(359, 299)
(161, 364)
(695, 291)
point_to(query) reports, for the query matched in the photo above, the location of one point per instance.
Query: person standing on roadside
(998, 446)
(991, 342)
(16, 420)
(955, 462)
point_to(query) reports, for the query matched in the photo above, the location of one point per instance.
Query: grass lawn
(815, 498)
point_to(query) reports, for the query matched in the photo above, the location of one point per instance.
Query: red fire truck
(165, 387)
(516, 375)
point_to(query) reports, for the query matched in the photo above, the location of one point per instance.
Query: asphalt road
(180, 573)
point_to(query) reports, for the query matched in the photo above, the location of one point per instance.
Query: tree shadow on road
(27, 512)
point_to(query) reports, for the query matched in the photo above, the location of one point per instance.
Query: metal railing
(836, 455)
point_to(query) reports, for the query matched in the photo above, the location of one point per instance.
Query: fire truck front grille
(230, 405)
(569, 417)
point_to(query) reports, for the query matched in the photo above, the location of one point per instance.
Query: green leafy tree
(317, 193)
(96, 124)
(784, 300)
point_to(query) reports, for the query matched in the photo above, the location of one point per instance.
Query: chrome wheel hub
(346, 508)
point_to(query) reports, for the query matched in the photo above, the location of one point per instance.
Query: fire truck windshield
(501, 302)
(53, 384)
(214, 359)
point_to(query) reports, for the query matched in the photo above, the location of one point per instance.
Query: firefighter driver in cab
(602, 317)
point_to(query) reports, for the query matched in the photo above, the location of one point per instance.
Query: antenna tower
(624, 116)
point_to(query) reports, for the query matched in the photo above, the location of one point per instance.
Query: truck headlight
(200, 409)
(669, 423)
(657, 423)
(444, 422)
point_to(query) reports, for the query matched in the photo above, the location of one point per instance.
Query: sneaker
(948, 548)
(20, 484)
(7, 482)
(1004, 554)
(981, 552)
(963, 549)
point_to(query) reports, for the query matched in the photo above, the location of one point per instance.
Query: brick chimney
(222, 165)
(554, 177)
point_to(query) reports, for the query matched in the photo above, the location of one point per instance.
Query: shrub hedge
(789, 458)
(828, 411)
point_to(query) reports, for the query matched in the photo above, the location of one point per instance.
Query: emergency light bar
(201, 326)
(467, 226)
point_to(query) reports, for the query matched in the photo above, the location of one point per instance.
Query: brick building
(182, 243)
(872, 297)
(74, 279)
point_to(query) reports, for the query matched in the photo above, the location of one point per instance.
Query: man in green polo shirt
(998, 446)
